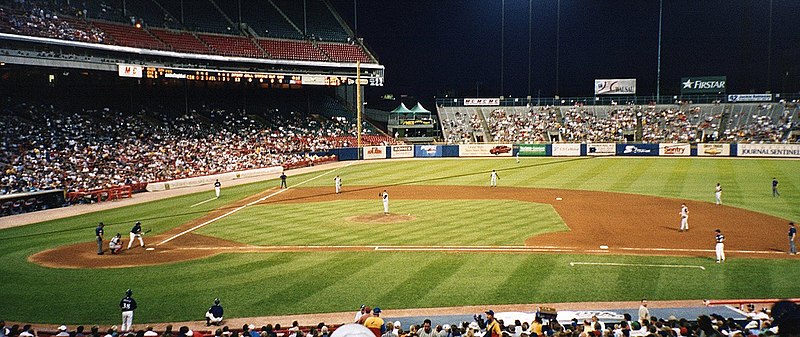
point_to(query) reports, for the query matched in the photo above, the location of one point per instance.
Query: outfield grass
(283, 283)
(437, 222)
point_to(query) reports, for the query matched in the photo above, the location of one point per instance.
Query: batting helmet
(216, 301)
(128, 292)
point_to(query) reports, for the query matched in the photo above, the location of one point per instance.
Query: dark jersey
(137, 228)
(98, 231)
(216, 310)
(127, 304)
(217, 184)
(792, 231)
(720, 238)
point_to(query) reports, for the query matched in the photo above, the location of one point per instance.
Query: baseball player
(720, 247)
(385, 197)
(775, 192)
(217, 186)
(136, 232)
(517, 157)
(98, 233)
(127, 305)
(684, 218)
(283, 180)
(115, 245)
(338, 183)
(718, 194)
(792, 236)
(214, 314)
(493, 179)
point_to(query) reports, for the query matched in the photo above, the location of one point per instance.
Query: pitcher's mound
(380, 218)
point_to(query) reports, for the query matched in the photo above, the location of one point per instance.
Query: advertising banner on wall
(402, 151)
(484, 150)
(703, 85)
(374, 152)
(427, 151)
(566, 150)
(674, 149)
(768, 150)
(601, 149)
(626, 86)
(532, 150)
(637, 149)
(750, 98)
(715, 150)
(482, 101)
(129, 70)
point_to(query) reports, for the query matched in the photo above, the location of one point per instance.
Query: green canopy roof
(419, 108)
(401, 109)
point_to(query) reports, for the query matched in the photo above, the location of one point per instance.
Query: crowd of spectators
(44, 147)
(29, 19)
(619, 123)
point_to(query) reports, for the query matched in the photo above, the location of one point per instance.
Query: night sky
(447, 47)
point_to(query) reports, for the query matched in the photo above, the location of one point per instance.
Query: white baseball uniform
(338, 183)
(718, 194)
(684, 218)
(720, 247)
(385, 197)
(493, 179)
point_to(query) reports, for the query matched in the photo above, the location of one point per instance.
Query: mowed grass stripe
(632, 175)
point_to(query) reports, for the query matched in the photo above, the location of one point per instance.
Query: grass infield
(257, 284)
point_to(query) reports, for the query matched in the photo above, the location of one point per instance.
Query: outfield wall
(572, 150)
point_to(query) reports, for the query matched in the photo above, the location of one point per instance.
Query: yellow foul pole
(358, 101)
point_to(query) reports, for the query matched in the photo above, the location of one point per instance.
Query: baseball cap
(363, 306)
(490, 312)
(190, 332)
(376, 310)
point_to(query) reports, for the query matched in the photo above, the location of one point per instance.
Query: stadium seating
(341, 52)
(181, 41)
(129, 36)
(232, 45)
(291, 50)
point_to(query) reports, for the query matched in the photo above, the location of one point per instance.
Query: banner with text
(703, 85)
(601, 149)
(129, 70)
(481, 101)
(637, 149)
(566, 150)
(674, 149)
(532, 150)
(427, 151)
(484, 150)
(768, 150)
(625, 86)
(714, 150)
(403, 151)
(374, 152)
(750, 98)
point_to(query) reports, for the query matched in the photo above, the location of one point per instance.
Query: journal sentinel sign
(703, 85)
(768, 150)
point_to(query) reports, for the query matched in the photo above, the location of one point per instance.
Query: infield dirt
(627, 223)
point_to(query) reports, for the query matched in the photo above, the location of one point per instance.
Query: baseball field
(450, 240)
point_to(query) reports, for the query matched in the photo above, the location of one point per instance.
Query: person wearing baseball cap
(492, 326)
(375, 323)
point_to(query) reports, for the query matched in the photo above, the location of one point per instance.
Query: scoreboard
(205, 75)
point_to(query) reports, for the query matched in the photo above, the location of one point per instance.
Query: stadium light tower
(502, 44)
(658, 70)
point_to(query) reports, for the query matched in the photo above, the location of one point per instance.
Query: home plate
(559, 199)
(149, 248)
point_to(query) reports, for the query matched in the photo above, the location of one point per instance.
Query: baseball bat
(148, 231)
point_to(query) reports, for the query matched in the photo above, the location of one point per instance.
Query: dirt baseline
(626, 223)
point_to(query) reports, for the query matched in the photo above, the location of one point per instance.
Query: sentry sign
(702, 85)
(677, 149)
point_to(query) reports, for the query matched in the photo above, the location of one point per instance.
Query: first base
(603, 247)
(559, 199)
(149, 248)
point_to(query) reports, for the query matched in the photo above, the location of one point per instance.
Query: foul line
(202, 202)
(572, 264)
(248, 204)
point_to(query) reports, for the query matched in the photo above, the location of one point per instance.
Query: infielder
(98, 233)
(718, 194)
(283, 180)
(720, 247)
(217, 186)
(127, 305)
(136, 232)
(115, 245)
(493, 179)
(338, 183)
(684, 218)
(385, 197)
(214, 314)
(792, 236)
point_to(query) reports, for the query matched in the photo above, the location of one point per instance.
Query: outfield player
(385, 197)
(136, 232)
(214, 314)
(217, 186)
(283, 180)
(115, 245)
(98, 233)
(720, 247)
(684, 218)
(127, 305)
(718, 194)
(493, 179)
(792, 236)
(775, 192)
(338, 183)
